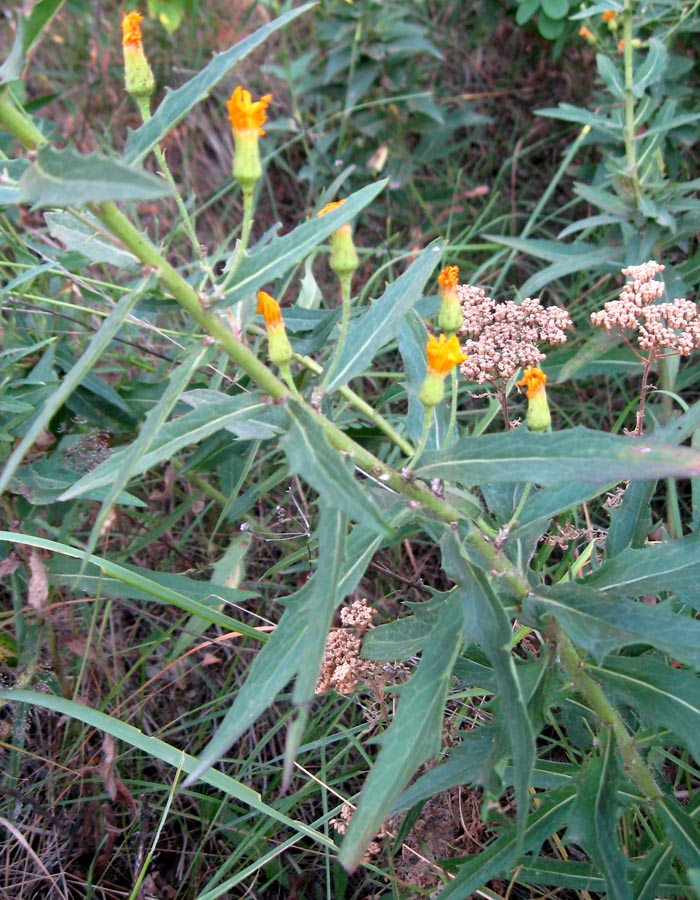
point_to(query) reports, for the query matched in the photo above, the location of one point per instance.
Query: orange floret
(246, 114)
(444, 354)
(449, 277)
(131, 29)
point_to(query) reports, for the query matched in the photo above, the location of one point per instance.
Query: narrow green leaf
(58, 397)
(231, 413)
(85, 235)
(568, 113)
(681, 829)
(68, 178)
(500, 858)
(664, 697)
(157, 749)
(653, 67)
(153, 424)
(163, 587)
(610, 75)
(275, 259)
(178, 103)
(574, 455)
(29, 30)
(671, 566)
(593, 820)
(382, 320)
(487, 623)
(601, 625)
(311, 456)
(284, 653)
(412, 738)
(403, 638)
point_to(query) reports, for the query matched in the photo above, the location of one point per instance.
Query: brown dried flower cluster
(374, 848)
(660, 327)
(342, 667)
(502, 337)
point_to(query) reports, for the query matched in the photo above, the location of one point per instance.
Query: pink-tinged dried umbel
(661, 328)
(502, 337)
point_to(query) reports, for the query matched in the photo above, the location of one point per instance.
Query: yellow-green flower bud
(442, 356)
(138, 77)
(278, 347)
(450, 317)
(538, 416)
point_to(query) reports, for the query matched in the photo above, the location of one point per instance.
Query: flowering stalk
(247, 117)
(135, 66)
(343, 261)
(442, 356)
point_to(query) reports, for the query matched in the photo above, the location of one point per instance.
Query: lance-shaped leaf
(234, 414)
(286, 652)
(671, 566)
(275, 259)
(86, 236)
(157, 749)
(500, 858)
(413, 736)
(663, 696)
(381, 322)
(68, 178)
(29, 30)
(487, 623)
(575, 455)
(593, 820)
(601, 625)
(311, 456)
(681, 829)
(176, 104)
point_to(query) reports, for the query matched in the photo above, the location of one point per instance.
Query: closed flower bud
(450, 318)
(343, 260)
(538, 416)
(278, 346)
(138, 77)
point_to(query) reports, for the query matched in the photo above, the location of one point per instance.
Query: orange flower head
(244, 113)
(444, 354)
(608, 15)
(533, 381)
(131, 29)
(329, 207)
(269, 309)
(621, 45)
(449, 277)
(585, 33)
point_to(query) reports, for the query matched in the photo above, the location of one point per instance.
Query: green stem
(423, 438)
(145, 108)
(362, 407)
(345, 283)
(574, 667)
(629, 127)
(18, 123)
(242, 244)
(453, 408)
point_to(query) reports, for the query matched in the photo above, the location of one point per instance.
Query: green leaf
(275, 259)
(86, 236)
(653, 67)
(231, 413)
(405, 637)
(157, 749)
(568, 113)
(575, 455)
(78, 373)
(664, 696)
(593, 820)
(329, 474)
(601, 625)
(382, 320)
(555, 9)
(413, 736)
(526, 10)
(29, 30)
(284, 654)
(67, 178)
(176, 104)
(487, 623)
(671, 566)
(610, 75)
(550, 29)
(162, 587)
(500, 858)
(681, 829)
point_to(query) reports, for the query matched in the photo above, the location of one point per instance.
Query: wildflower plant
(539, 640)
